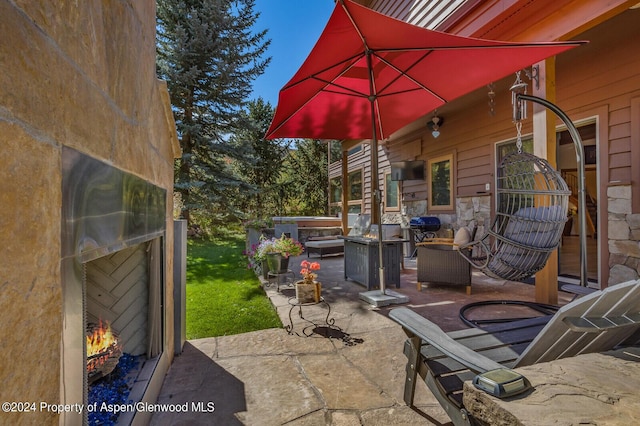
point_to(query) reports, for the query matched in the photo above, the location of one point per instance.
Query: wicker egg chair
(532, 210)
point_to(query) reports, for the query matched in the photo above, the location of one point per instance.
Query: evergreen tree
(307, 176)
(209, 56)
(261, 161)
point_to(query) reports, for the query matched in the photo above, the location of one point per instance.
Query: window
(335, 151)
(509, 147)
(354, 193)
(391, 193)
(335, 195)
(355, 149)
(440, 182)
(335, 190)
(354, 188)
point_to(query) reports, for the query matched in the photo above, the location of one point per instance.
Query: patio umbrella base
(378, 298)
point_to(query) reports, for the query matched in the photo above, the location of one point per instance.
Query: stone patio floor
(356, 377)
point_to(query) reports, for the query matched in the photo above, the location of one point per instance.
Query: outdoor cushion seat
(323, 246)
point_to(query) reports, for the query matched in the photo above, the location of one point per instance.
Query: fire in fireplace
(103, 350)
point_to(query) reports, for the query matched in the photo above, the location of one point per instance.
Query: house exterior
(597, 85)
(88, 147)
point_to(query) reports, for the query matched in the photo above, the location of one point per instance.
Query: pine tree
(307, 175)
(261, 161)
(209, 57)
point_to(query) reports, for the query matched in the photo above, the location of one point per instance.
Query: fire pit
(103, 351)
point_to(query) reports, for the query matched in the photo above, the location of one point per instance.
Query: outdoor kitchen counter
(361, 260)
(586, 389)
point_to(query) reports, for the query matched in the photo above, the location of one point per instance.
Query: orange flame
(100, 340)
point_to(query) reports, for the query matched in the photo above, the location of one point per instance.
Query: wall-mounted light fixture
(434, 124)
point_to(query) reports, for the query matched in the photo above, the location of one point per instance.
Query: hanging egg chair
(532, 210)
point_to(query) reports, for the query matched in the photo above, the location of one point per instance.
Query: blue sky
(294, 26)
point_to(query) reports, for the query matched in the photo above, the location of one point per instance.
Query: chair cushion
(325, 243)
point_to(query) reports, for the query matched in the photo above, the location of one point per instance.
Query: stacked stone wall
(473, 212)
(624, 236)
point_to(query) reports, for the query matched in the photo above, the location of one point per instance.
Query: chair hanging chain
(519, 108)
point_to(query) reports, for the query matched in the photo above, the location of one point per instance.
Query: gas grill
(423, 227)
(425, 224)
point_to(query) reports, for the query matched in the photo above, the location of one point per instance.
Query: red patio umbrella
(369, 75)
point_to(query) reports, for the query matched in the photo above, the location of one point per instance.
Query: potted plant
(279, 253)
(308, 290)
(257, 255)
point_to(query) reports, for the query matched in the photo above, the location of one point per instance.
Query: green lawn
(223, 296)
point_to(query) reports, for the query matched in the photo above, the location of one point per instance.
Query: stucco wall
(77, 74)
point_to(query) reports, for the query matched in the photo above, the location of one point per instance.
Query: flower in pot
(279, 253)
(287, 246)
(258, 255)
(308, 290)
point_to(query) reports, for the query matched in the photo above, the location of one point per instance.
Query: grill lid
(425, 222)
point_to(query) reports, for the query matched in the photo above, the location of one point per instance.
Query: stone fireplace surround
(104, 210)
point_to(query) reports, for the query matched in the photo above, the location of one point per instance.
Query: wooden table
(586, 389)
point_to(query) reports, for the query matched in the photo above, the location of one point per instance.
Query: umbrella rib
(510, 45)
(348, 89)
(355, 26)
(313, 76)
(415, 89)
(404, 73)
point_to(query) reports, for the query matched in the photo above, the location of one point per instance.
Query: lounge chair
(596, 322)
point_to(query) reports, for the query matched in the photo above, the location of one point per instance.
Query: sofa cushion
(325, 243)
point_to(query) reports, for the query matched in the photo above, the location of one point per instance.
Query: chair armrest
(435, 241)
(577, 289)
(430, 333)
(438, 241)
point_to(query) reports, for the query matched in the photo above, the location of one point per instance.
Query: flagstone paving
(356, 377)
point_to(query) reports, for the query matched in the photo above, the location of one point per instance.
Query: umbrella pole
(381, 297)
(377, 200)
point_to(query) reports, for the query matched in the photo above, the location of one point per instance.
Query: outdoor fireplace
(113, 226)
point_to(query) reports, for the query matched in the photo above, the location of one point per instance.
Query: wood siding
(611, 81)
(603, 74)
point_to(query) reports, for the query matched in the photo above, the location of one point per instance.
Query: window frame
(388, 181)
(430, 198)
(353, 205)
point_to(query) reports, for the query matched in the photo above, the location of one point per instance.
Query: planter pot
(308, 292)
(277, 263)
(264, 269)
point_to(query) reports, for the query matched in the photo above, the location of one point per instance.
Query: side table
(329, 322)
(281, 278)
